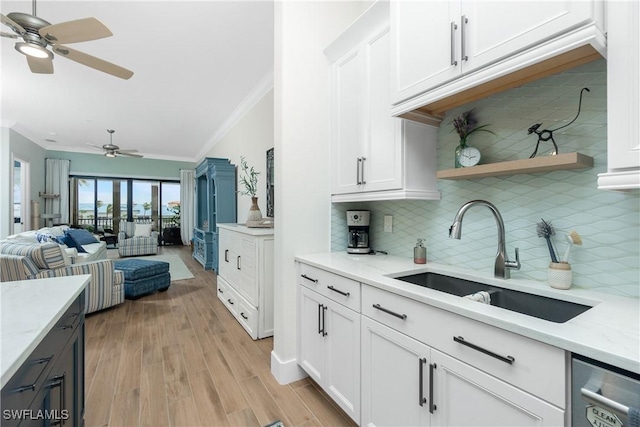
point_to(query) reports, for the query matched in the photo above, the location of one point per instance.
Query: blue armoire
(215, 203)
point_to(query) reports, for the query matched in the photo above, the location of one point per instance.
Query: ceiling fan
(111, 150)
(37, 34)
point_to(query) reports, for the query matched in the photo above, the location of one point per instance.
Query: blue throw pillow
(74, 239)
(81, 236)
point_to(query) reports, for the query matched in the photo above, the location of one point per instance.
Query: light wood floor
(179, 358)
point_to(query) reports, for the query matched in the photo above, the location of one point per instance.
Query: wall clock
(468, 156)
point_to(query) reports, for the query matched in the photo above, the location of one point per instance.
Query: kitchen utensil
(572, 238)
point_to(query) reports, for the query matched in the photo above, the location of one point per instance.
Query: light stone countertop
(242, 228)
(30, 308)
(608, 332)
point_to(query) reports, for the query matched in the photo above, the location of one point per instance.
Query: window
(100, 203)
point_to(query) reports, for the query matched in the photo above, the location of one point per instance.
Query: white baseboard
(286, 372)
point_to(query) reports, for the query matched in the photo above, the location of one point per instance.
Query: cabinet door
(247, 281)
(311, 346)
(227, 256)
(342, 357)
(391, 380)
(497, 29)
(347, 151)
(382, 167)
(425, 45)
(466, 396)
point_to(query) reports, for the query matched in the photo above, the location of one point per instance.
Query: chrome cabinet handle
(346, 294)
(324, 325)
(226, 255)
(243, 316)
(238, 266)
(421, 399)
(432, 406)
(304, 276)
(230, 302)
(507, 359)
(454, 27)
(319, 318)
(386, 310)
(359, 171)
(464, 23)
(362, 181)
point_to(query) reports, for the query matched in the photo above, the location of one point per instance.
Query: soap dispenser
(420, 253)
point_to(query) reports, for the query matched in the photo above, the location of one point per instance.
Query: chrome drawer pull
(508, 359)
(346, 294)
(243, 316)
(220, 290)
(454, 27)
(399, 316)
(230, 302)
(43, 360)
(304, 276)
(24, 388)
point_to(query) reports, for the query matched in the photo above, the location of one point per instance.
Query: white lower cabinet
(329, 347)
(395, 377)
(466, 396)
(420, 365)
(245, 278)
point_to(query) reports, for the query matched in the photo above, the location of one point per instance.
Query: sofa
(24, 261)
(90, 251)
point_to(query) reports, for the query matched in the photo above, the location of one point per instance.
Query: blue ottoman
(143, 277)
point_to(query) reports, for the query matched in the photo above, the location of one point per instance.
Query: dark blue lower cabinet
(48, 389)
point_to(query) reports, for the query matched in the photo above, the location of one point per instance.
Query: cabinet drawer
(525, 363)
(247, 315)
(337, 288)
(227, 295)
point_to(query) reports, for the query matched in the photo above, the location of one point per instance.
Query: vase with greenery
(465, 125)
(249, 180)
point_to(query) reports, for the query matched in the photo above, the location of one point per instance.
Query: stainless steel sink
(551, 309)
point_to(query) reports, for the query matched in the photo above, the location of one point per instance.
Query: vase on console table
(255, 214)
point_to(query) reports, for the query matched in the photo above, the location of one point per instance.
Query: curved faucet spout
(502, 265)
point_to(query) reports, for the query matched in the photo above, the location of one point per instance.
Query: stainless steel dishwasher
(603, 396)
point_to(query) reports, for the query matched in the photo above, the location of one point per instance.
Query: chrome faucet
(503, 265)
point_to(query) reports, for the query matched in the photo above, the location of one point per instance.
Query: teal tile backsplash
(608, 222)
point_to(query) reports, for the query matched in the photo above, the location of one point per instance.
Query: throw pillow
(142, 230)
(72, 242)
(81, 236)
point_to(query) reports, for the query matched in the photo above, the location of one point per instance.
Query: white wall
(250, 137)
(302, 134)
(6, 209)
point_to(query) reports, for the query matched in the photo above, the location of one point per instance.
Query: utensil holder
(560, 275)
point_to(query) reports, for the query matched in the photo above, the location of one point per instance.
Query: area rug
(177, 267)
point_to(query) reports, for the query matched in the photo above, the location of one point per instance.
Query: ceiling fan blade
(80, 30)
(40, 66)
(128, 151)
(97, 146)
(93, 62)
(120, 153)
(9, 35)
(12, 24)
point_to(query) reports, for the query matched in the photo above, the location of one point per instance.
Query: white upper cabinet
(447, 43)
(623, 97)
(374, 156)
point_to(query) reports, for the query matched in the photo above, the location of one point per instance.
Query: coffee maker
(358, 238)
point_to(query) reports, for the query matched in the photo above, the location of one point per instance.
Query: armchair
(26, 261)
(137, 239)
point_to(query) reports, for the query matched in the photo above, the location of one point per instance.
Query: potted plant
(465, 125)
(249, 180)
(171, 234)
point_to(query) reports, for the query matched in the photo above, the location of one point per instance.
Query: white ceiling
(194, 64)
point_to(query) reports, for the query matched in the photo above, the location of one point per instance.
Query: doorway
(21, 196)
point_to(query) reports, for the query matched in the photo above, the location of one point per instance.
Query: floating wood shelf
(515, 167)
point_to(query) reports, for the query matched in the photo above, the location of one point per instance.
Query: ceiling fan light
(110, 154)
(33, 50)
